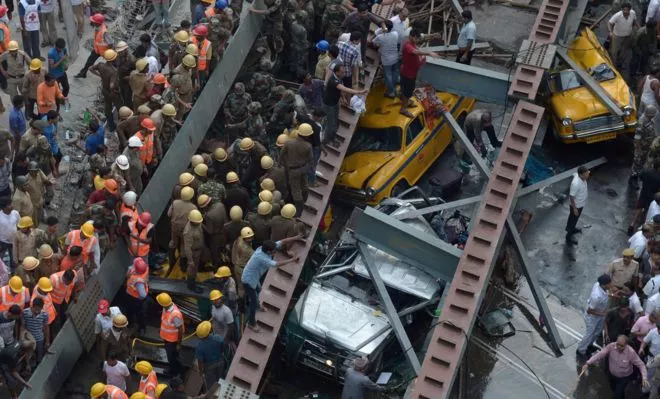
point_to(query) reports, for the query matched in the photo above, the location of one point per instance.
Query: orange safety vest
(61, 292)
(147, 149)
(99, 41)
(209, 12)
(5, 42)
(68, 263)
(87, 244)
(115, 393)
(168, 331)
(9, 298)
(133, 280)
(127, 211)
(49, 308)
(148, 385)
(139, 246)
(202, 60)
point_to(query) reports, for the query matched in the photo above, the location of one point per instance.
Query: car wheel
(400, 187)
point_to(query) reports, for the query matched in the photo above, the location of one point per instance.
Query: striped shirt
(35, 323)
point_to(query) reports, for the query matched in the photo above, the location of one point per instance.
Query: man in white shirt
(578, 195)
(639, 240)
(621, 27)
(387, 41)
(654, 208)
(594, 318)
(401, 24)
(116, 372)
(466, 38)
(8, 219)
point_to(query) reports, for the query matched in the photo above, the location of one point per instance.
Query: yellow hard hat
(267, 184)
(25, 222)
(120, 321)
(110, 55)
(143, 367)
(281, 139)
(168, 110)
(266, 195)
(87, 229)
(45, 285)
(232, 177)
(204, 328)
(182, 36)
(189, 61)
(12, 46)
(30, 262)
(45, 251)
(266, 162)
(35, 64)
(187, 193)
(223, 271)
(97, 390)
(125, 112)
(141, 64)
(215, 295)
(186, 178)
(195, 216)
(164, 299)
(305, 130)
(144, 109)
(196, 160)
(201, 170)
(247, 232)
(246, 143)
(236, 213)
(220, 154)
(192, 50)
(159, 389)
(288, 211)
(203, 200)
(16, 284)
(138, 395)
(264, 208)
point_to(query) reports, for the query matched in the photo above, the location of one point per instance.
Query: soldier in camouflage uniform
(254, 126)
(282, 116)
(207, 186)
(274, 97)
(333, 16)
(308, 7)
(644, 136)
(218, 35)
(273, 26)
(259, 86)
(177, 49)
(299, 46)
(246, 155)
(235, 109)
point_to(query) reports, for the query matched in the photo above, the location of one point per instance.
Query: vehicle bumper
(599, 134)
(350, 196)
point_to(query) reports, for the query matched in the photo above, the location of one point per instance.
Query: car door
(419, 149)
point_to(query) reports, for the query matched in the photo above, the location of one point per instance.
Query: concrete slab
(503, 26)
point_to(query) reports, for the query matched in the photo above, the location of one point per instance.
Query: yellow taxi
(390, 152)
(576, 114)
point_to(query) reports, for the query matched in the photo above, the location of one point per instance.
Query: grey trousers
(594, 326)
(47, 26)
(621, 51)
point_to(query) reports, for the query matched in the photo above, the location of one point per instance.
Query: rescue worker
(125, 63)
(103, 326)
(119, 341)
(31, 81)
(224, 282)
(128, 210)
(148, 154)
(241, 252)
(21, 200)
(235, 225)
(49, 262)
(158, 82)
(182, 84)
(644, 135)
(137, 288)
(215, 217)
(15, 60)
(166, 126)
(103, 391)
(237, 195)
(141, 232)
(109, 75)
(119, 171)
(102, 42)
(62, 294)
(193, 247)
(6, 31)
(273, 26)
(128, 125)
(235, 106)
(15, 293)
(136, 167)
(260, 223)
(276, 174)
(148, 379)
(140, 82)
(178, 214)
(73, 259)
(87, 240)
(297, 159)
(177, 49)
(247, 159)
(186, 179)
(219, 35)
(283, 225)
(171, 332)
(208, 186)
(28, 272)
(205, 52)
(208, 353)
(37, 183)
(42, 290)
(25, 240)
(221, 164)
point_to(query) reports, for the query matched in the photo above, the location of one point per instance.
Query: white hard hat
(134, 141)
(129, 198)
(122, 162)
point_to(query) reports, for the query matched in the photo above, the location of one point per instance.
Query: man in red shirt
(413, 59)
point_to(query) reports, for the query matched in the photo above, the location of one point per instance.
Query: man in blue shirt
(58, 58)
(52, 117)
(17, 122)
(259, 263)
(209, 353)
(95, 139)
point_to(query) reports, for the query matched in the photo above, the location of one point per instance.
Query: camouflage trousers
(640, 153)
